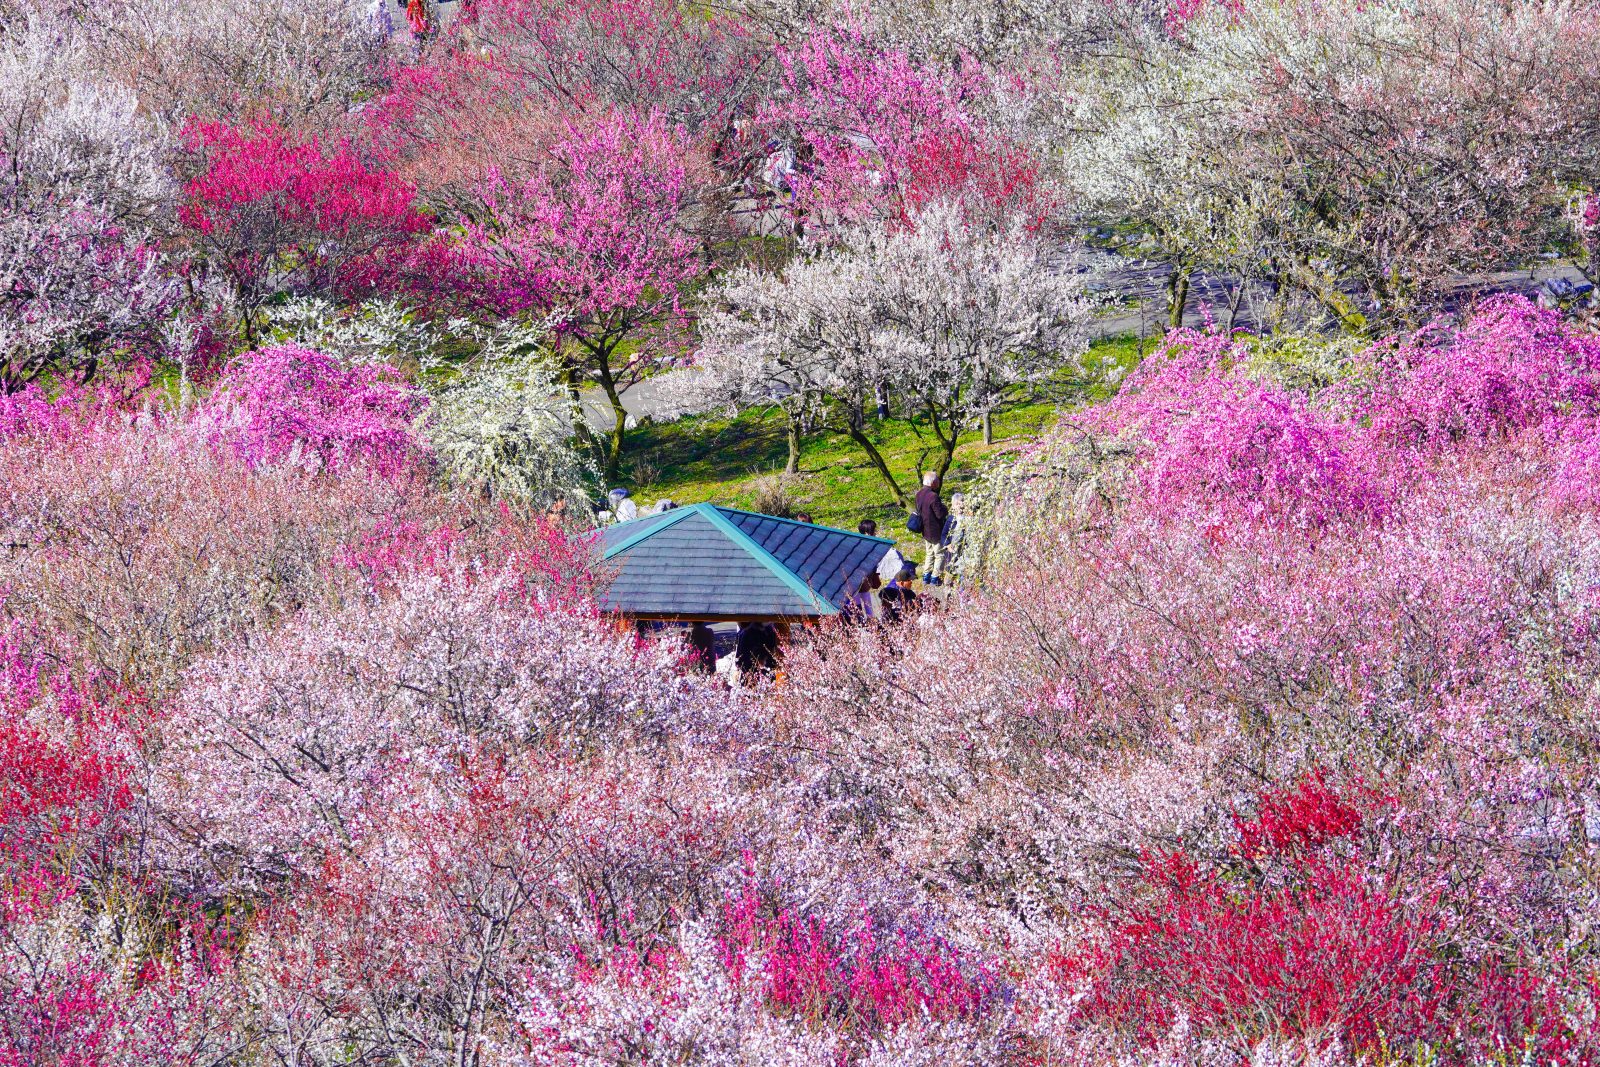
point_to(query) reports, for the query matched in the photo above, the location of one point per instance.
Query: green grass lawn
(737, 461)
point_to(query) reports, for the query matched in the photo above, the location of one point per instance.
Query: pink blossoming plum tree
(599, 234)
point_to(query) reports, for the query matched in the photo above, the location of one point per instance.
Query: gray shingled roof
(713, 562)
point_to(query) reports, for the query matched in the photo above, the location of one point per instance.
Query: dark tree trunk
(878, 463)
(616, 438)
(792, 465)
(1177, 296)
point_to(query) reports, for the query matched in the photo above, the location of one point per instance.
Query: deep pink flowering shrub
(290, 403)
(597, 231)
(30, 411)
(1218, 444)
(1262, 454)
(856, 979)
(1510, 367)
(71, 408)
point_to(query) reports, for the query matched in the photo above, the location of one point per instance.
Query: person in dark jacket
(702, 649)
(932, 511)
(897, 598)
(757, 650)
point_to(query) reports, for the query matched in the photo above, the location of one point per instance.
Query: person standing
(955, 529)
(702, 649)
(932, 511)
(756, 652)
(892, 563)
(859, 607)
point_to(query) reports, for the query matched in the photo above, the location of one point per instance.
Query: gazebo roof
(710, 562)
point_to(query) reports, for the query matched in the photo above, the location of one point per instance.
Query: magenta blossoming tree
(599, 236)
(289, 403)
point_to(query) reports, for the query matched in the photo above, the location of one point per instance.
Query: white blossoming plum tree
(944, 315)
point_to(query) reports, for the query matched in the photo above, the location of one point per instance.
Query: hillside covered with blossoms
(1260, 728)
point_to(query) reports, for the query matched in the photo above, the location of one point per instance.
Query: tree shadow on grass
(707, 450)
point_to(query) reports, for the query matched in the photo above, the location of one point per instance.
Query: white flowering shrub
(506, 430)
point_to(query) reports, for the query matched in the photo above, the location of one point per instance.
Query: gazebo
(707, 563)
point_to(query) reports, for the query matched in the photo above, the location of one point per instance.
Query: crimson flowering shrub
(595, 233)
(1301, 944)
(65, 762)
(1303, 817)
(1327, 958)
(272, 211)
(290, 403)
(1311, 944)
(85, 978)
(31, 411)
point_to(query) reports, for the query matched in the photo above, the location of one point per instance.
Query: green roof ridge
(676, 515)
